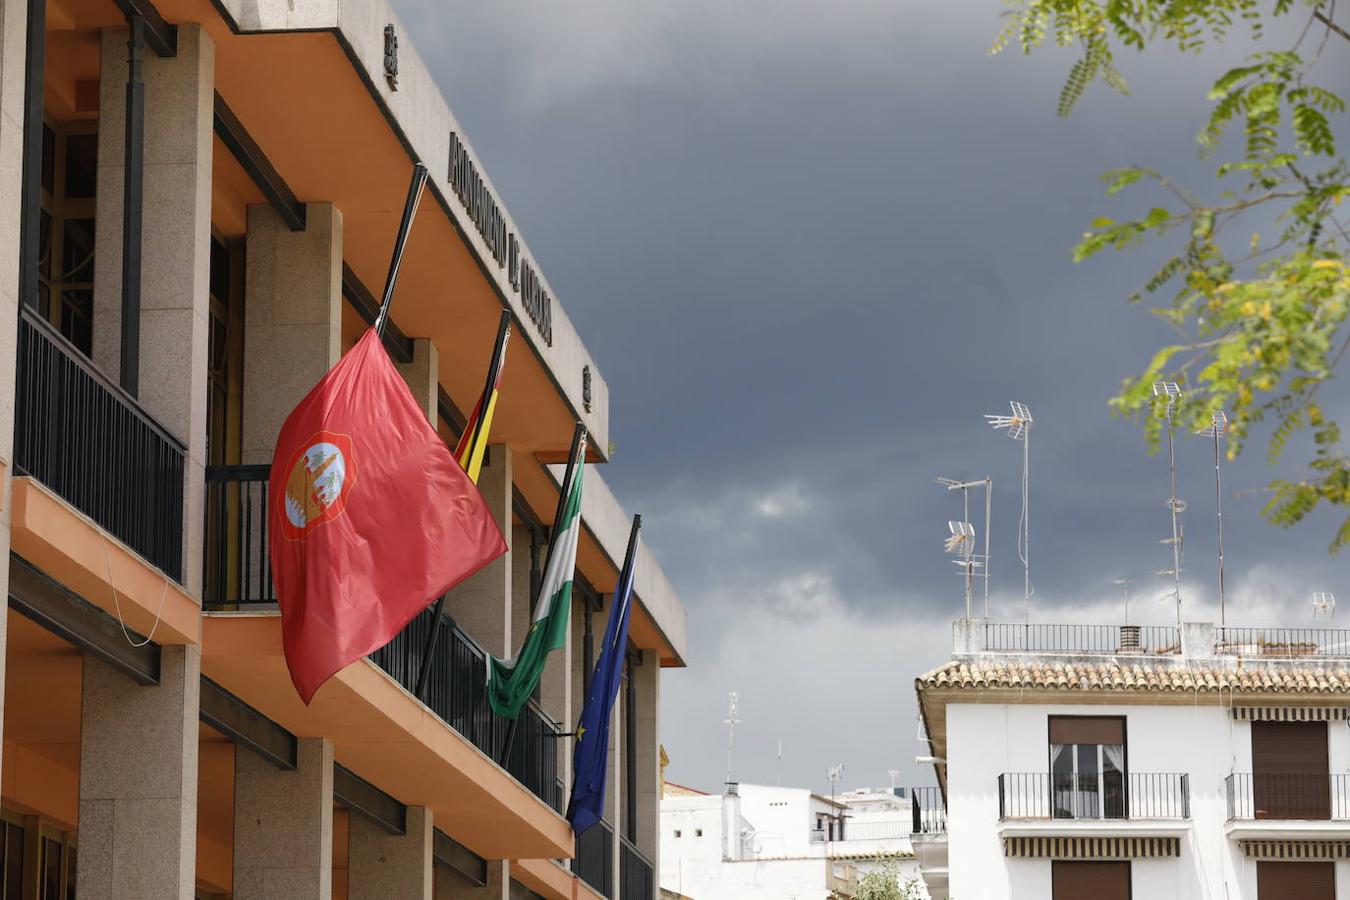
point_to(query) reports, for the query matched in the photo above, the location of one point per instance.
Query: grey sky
(809, 245)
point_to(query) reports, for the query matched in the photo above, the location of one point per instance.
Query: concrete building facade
(1139, 761)
(201, 200)
(764, 841)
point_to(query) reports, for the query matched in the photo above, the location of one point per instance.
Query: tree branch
(1321, 17)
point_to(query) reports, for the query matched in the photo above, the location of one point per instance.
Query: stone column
(13, 36)
(292, 317)
(176, 254)
(383, 865)
(482, 604)
(283, 825)
(423, 376)
(647, 681)
(138, 780)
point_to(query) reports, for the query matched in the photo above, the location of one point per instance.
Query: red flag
(371, 517)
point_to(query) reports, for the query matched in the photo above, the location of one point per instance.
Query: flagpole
(419, 181)
(498, 349)
(578, 435)
(424, 672)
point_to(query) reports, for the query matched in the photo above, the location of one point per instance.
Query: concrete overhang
(1077, 828)
(550, 880)
(64, 542)
(382, 733)
(306, 79)
(1287, 829)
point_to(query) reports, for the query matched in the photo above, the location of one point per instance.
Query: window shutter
(1294, 881)
(1090, 880)
(1087, 730)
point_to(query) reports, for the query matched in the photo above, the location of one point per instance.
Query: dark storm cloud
(809, 245)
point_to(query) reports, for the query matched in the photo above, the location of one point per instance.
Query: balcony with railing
(238, 577)
(594, 859)
(1098, 800)
(1276, 796)
(928, 811)
(1283, 643)
(635, 872)
(90, 442)
(1081, 640)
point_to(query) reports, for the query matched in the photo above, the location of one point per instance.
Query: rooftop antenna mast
(1171, 394)
(895, 774)
(1125, 584)
(1217, 428)
(962, 540)
(1018, 427)
(731, 721)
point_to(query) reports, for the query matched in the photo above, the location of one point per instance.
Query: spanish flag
(473, 443)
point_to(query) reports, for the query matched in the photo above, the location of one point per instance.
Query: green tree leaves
(1261, 328)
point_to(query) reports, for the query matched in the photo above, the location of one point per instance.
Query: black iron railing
(1284, 642)
(89, 441)
(1265, 795)
(238, 566)
(635, 873)
(1107, 795)
(594, 860)
(928, 811)
(1090, 639)
(457, 692)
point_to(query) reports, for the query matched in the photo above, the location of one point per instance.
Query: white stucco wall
(985, 741)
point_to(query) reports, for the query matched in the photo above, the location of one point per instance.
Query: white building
(760, 842)
(1105, 763)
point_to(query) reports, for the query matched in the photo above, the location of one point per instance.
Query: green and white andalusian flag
(510, 682)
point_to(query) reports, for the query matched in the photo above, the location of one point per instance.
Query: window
(66, 232)
(698, 832)
(678, 832)
(1090, 880)
(1290, 769)
(1087, 767)
(1295, 880)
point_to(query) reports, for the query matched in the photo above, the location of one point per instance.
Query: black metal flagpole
(498, 349)
(419, 181)
(578, 434)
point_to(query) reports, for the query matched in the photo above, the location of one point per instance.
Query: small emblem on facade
(319, 482)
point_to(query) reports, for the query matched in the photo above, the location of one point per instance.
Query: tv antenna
(1217, 428)
(731, 721)
(1018, 427)
(1125, 583)
(1324, 605)
(895, 774)
(970, 564)
(1171, 393)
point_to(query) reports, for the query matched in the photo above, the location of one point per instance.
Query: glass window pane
(48, 159)
(51, 870)
(77, 251)
(72, 859)
(81, 164)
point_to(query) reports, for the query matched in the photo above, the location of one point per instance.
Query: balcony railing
(1112, 640)
(89, 441)
(456, 691)
(1136, 795)
(594, 860)
(1287, 796)
(238, 567)
(928, 810)
(635, 873)
(1284, 642)
(238, 574)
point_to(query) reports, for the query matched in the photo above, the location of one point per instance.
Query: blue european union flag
(591, 760)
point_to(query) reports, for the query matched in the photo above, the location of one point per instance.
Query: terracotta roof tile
(1152, 675)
